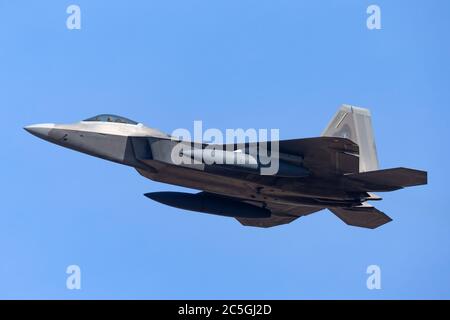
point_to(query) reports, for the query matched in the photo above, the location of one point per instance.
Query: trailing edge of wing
(273, 221)
(280, 214)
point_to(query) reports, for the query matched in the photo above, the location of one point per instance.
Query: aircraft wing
(321, 155)
(281, 214)
(324, 156)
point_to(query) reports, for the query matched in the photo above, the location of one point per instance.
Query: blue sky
(232, 64)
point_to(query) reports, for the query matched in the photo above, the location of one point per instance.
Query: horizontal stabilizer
(362, 216)
(389, 179)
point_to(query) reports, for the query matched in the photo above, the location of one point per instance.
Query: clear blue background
(249, 64)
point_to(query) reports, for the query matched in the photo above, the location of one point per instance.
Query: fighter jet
(337, 171)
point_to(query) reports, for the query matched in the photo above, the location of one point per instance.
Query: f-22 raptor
(337, 171)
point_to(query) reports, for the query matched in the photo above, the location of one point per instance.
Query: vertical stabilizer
(356, 124)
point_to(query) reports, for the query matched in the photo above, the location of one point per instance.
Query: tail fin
(355, 124)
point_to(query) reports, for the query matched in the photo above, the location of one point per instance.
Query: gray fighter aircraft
(337, 171)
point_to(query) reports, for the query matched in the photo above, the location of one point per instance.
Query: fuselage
(261, 184)
(148, 150)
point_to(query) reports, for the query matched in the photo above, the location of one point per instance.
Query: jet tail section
(364, 216)
(356, 124)
(389, 179)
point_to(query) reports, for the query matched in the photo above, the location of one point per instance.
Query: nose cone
(40, 130)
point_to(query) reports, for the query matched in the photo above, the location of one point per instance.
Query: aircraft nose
(40, 130)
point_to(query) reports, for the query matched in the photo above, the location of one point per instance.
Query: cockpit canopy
(111, 118)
